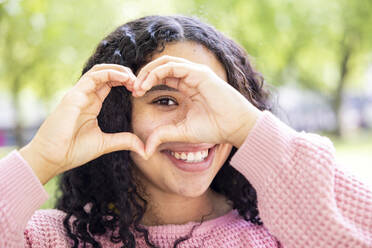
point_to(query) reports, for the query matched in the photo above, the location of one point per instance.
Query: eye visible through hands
(165, 101)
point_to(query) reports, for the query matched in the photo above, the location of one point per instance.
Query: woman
(167, 141)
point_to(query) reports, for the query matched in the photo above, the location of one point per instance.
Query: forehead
(194, 52)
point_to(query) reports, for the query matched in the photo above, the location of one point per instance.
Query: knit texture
(304, 200)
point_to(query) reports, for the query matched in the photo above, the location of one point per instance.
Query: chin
(191, 190)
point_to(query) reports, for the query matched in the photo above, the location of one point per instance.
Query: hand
(70, 136)
(219, 113)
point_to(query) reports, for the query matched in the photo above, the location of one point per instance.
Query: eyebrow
(161, 87)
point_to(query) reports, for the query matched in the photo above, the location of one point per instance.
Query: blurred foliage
(325, 46)
(321, 45)
(300, 41)
(44, 43)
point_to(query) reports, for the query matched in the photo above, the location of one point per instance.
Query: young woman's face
(161, 107)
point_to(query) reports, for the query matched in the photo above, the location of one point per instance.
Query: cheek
(142, 126)
(145, 119)
(145, 123)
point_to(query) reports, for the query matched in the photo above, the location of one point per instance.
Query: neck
(175, 209)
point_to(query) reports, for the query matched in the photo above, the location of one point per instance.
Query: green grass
(354, 153)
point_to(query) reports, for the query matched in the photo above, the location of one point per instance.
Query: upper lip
(185, 147)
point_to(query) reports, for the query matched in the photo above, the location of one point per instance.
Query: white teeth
(191, 157)
(183, 156)
(204, 153)
(198, 156)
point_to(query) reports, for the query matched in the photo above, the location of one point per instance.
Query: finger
(138, 81)
(124, 69)
(95, 80)
(122, 141)
(144, 72)
(183, 71)
(170, 81)
(116, 78)
(166, 133)
(99, 67)
(103, 91)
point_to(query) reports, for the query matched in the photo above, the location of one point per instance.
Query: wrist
(42, 169)
(248, 121)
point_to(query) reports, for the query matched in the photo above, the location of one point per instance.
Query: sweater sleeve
(303, 197)
(21, 194)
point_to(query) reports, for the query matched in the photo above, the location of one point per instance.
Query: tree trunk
(338, 97)
(18, 128)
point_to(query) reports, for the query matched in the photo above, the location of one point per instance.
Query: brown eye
(167, 101)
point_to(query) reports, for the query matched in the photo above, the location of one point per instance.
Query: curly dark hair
(109, 180)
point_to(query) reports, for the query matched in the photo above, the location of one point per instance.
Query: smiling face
(167, 171)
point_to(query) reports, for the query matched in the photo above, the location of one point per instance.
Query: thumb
(122, 141)
(166, 133)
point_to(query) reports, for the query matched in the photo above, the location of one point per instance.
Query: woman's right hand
(70, 136)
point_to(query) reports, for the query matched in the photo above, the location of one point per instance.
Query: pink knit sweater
(304, 200)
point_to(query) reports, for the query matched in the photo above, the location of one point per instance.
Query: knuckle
(127, 69)
(90, 76)
(96, 66)
(166, 57)
(101, 76)
(107, 75)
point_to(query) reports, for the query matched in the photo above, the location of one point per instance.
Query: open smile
(191, 161)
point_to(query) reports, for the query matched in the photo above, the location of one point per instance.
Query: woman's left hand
(218, 114)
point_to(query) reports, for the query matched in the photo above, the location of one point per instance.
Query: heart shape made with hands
(218, 114)
(70, 136)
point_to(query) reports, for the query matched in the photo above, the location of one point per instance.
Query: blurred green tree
(319, 45)
(44, 43)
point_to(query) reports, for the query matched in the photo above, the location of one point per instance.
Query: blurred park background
(316, 55)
